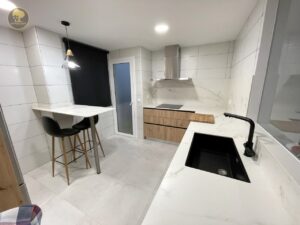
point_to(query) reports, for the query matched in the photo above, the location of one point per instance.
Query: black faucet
(249, 144)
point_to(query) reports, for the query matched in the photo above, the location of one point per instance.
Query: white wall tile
(213, 61)
(189, 63)
(56, 75)
(158, 55)
(145, 53)
(51, 56)
(24, 130)
(136, 52)
(11, 37)
(37, 74)
(191, 73)
(59, 94)
(114, 54)
(34, 55)
(158, 65)
(215, 49)
(19, 113)
(13, 95)
(48, 38)
(146, 64)
(12, 55)
(30, 37)
(30, 146)
(12, 75)
(189, 52)
(42, 94)
(34, 160)
(49, 75)
(16, 97)
(206, 65)
(244, 64)
(213, 73)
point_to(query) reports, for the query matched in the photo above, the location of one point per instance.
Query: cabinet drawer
(163, 132)
(183, 115)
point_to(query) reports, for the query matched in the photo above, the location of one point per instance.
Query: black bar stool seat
(67, 132)
(53, 129)
(84, 125)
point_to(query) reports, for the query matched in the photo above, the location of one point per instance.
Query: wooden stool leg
(87, 161)
(65, 159)
(84, 139)
(73, 148)
(53, 155)
(89, 139)
(74, 142)
(100, 143)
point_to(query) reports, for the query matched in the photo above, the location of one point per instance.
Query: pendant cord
(67, 37)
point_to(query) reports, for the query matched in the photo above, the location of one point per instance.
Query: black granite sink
(217, 155)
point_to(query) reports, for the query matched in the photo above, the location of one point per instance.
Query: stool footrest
(78, 157)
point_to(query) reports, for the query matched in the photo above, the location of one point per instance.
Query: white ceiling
(114, 24)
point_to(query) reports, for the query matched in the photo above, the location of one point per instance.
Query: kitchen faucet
(249, 144)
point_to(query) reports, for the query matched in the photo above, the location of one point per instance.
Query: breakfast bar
(79, 111)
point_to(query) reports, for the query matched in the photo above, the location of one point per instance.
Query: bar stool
(83, 126)
(53, 129)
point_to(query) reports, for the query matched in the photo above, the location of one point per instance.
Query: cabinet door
(10, 195)
(171, 118)
(163, 132)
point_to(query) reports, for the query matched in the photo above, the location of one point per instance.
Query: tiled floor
(131, 173)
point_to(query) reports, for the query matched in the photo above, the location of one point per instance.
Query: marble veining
(189, 196)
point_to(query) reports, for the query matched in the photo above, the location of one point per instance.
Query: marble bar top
(189, 196)
(72, 110)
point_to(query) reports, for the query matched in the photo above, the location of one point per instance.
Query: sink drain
(222, 172)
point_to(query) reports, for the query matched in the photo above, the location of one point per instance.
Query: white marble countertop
(196, 108)
(189, 196)
(72, 110)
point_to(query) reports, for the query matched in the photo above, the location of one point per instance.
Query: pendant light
(69, 58)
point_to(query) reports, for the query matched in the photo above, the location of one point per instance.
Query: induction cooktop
(169, 106)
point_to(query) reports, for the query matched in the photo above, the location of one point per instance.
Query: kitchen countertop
(197, 109)
(191, 197)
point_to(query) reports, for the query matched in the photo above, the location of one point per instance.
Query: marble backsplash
(208, 66)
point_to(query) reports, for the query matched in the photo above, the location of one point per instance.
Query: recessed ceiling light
(161, 28)
(7, 5)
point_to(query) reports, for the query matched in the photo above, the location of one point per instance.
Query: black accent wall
(90, 83)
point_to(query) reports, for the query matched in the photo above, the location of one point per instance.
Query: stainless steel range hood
(172, 64)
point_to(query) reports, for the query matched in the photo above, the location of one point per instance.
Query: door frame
(131, 61)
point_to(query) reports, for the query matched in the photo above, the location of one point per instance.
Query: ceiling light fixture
(69, 58)
(7, 5)
(161, 28)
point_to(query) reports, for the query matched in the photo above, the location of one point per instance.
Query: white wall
(45, 53)
(52, 83)
(142, 69)
(246, 50)
(209, 68)
(16, 97)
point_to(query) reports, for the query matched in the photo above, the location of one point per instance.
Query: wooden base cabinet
(170, 125)
(166, 133)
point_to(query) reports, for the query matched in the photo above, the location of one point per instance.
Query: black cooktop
(169, 106)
